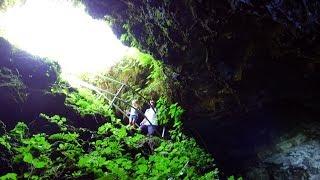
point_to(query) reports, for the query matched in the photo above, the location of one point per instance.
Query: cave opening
(62, 31)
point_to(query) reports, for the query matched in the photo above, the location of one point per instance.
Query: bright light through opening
(57, 29)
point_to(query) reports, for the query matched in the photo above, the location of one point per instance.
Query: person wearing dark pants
(150, 120)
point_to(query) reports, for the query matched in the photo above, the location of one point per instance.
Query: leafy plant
(168, 113)
(60, 121)
(234, 178)
(65, 136)
(9, 176)
(113, 151)
(32, 146)
(4, 141)
(86, 103)
(20, 131)
(129, 37)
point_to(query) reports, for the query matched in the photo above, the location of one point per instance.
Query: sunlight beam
(59, 30)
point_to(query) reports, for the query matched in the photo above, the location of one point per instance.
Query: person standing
(150, 121)
(133, 117)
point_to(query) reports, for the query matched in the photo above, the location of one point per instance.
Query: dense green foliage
(169, 114)
(145, 77)
(112, 152)
(87, 103)
(141, 71)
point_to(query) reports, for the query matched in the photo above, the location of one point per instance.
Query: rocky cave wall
(224, 52)
(25, 87)
(247, 73)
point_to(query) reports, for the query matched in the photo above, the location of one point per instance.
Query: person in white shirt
(150, 120)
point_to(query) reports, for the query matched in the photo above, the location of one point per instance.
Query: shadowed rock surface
(248, 71)
(28, 92)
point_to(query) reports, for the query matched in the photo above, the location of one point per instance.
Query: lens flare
(59, 30)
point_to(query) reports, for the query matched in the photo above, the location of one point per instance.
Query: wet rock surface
(297, 157)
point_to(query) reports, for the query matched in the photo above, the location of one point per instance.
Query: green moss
(142, 25)
(145, 76)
